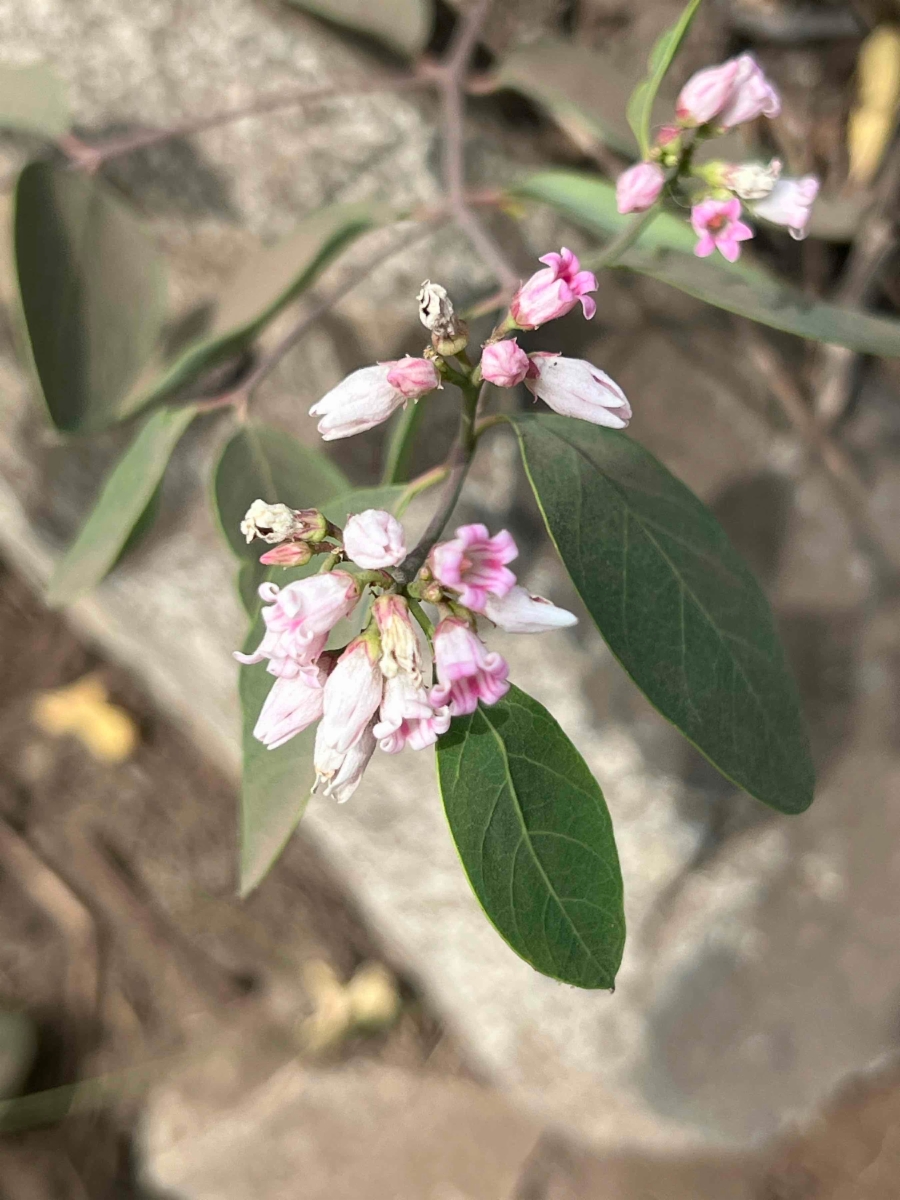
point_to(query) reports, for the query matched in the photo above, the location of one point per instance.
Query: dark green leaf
(404, 25)
(535, 838)
(33, 100)
(640, 106)
(92, 287)
(663, 251)
(276, 782)
(268, 282)
(582, 90)
(125, 496)
(674, 601)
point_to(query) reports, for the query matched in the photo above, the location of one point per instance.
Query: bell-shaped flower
(346, 770)
(790, 203)
(553, 292)
(718, 225)
(467, 672)
(751, 96)
(706, 93)
(370, 395)
(407, 716)
(575, 388)
(521, 612)
(400, 653)
(291, 705)
(638, 188)
(352, 695)
(298, 619)
(374, 539)
(504, 363)
(474, 564)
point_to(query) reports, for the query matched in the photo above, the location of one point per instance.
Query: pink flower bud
(751, 96)
(407, 717)
(790, 203)
(466, 671)
(371, 394)
(706, 93)
(413, 377)
(718, 226)
(667, 135)
(504, 363)
(553, 292)
(474, 564)
(298, 619)
(575, 388)
(520, 612)
(291, 705)
(374, 539)
(352, 695)
(638, 188)
(399, 641)
(288, 554)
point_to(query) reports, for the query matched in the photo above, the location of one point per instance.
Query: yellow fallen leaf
(83, 710)
(878, 88)
(368, 1003)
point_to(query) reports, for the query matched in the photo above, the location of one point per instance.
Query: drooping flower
(553, 292)
(638, 188)
(504, 363)
(751, 181)
(400, 654)
(407, 716)
(474, 564)
(291, 705)
(718, 225)
(352, 694)
(346, 770)
(467, 672)
(298, 619)
(575, 388)
(521, 612)
(706, 93)
(752, 95)
(374, 539)
(370, 395)
(790, 203)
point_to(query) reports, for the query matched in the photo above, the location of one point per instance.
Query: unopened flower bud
(449, 334)
(504, 363)
(275, 523)
(638, 188)
(288, 554)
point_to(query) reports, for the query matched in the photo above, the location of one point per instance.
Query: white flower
(374, 539)
(370, 395)
(352, 695)
(753, 181)
(520, 612)
(575, 388)
(790, 203)
(407, 716)
(348, 768)
(271, 522)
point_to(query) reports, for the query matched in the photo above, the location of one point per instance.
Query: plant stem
(421, 484)
(419, 613)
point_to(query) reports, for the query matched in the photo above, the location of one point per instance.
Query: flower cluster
(712, 101)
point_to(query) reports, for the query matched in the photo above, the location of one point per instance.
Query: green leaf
(664, 252)
(276, 783)
(535, 839)
(265, 285)
(33, 100)
(403, 25)
(640, 106)
(125, 497)
(92, 287)
(583, 91)
(675, 602)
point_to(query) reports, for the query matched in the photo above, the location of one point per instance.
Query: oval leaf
(266, 283)
(403, 25)
(675, 602)
(276, 783)
(640, 106)
(92, 288)
(33, 100)
(535, 838)
(125, 497)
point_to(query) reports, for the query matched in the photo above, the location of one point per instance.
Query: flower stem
(421, 484)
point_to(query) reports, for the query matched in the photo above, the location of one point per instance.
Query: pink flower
(352, 695)
(288, 554)
(575, 388)
(347, 769)
(400, 652)
(638, 188)
(790, 203)
(407, 717)
(706, 93)
(553, 292)
(374, 539)
(299, 619)
(520, 612)
(717, 225)
(474, 564)
(369, 396)
(504, 363)
(291, 705)
(751, 96)
(466, 671)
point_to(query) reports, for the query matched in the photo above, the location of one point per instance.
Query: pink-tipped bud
(474, 564)
(504, 363)
(638, 188)
(553, 292)
(667, 135)
(374, 539)
(706, 93)
(790, 203)
(288, 554)
(466, 671)
(520, 612)
(575, 388)
(718, 226)
(413, 377)
(370, 395)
